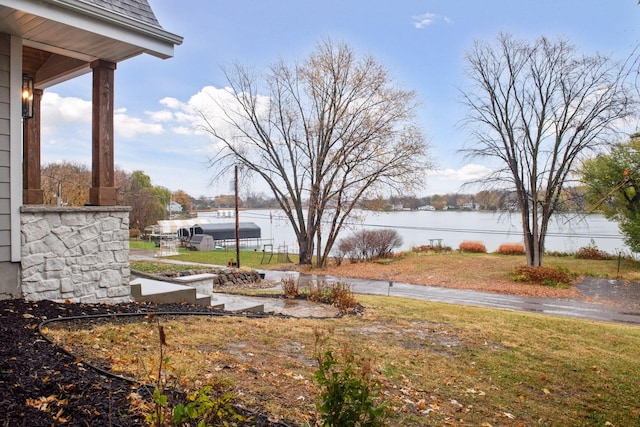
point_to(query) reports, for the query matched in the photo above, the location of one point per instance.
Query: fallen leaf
(59, 418)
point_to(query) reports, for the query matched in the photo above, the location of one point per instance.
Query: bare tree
(328, 132)
(536, 108)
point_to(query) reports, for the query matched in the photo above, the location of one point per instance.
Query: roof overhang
(62, 37)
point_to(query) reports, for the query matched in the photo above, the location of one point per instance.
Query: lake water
(566, 234)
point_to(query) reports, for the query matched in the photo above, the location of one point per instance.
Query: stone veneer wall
(80, 254)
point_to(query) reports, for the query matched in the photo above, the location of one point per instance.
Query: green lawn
(249, 259)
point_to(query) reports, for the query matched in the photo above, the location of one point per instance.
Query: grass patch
(436, 363)
(472, 268)
(141, 244)
(151, 267)
(249, 259)
(467, 266)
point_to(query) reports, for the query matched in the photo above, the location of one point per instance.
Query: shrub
(338, 294)
(472, 247)
(289, 287)
(342, 297)
(318, 291)
(511, 249)
(207, 409)
(369, 244)
(592, 252)
(558, 254)
(547, 276)
(348, 392)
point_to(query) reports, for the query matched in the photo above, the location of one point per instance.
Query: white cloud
(160, 116)
(57, 109)
(427, 19)
(467, 173)
(130, 127)
(216, 104)
(447, 181)
(171, 103)
(182, 130)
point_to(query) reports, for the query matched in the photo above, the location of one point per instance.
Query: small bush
(342, 297)
(349, 394)
(592, 252)
(207, 409)
(547, 276)
(369, 244)
(511, 249)
(558, 254)
(319, 291)
(289, 287)
(337, 294)
(472, 247)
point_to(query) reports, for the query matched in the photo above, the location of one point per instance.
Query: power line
(459, 230)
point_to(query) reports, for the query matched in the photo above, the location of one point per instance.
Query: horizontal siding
(5, 149)
(4, 177)
(5, 253)
(5, 223)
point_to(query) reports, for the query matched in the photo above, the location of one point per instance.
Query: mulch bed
(41, 385)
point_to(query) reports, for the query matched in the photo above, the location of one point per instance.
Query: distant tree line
(67, 184)
(573, 200)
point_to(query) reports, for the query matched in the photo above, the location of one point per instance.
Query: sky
(421, 42)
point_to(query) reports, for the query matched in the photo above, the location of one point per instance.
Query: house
(65, 253)
(174, 208)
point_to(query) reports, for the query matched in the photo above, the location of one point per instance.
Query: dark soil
(41, 385)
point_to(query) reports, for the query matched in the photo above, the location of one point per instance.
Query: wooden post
(103, 191)
(32, 193)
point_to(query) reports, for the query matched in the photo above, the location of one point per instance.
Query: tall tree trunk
(306, 249)
(533, 244)
(319, 259)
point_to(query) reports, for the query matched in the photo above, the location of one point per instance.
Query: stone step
(202, 282)
(160, 292)
(236, 303)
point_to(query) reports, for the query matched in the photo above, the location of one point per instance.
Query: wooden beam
(102, 192)
(32, 193)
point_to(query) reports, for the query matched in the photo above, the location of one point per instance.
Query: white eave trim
(77, 14)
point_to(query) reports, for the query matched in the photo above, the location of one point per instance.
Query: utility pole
(237, 221)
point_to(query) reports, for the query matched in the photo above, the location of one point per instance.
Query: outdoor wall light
(27, 96)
